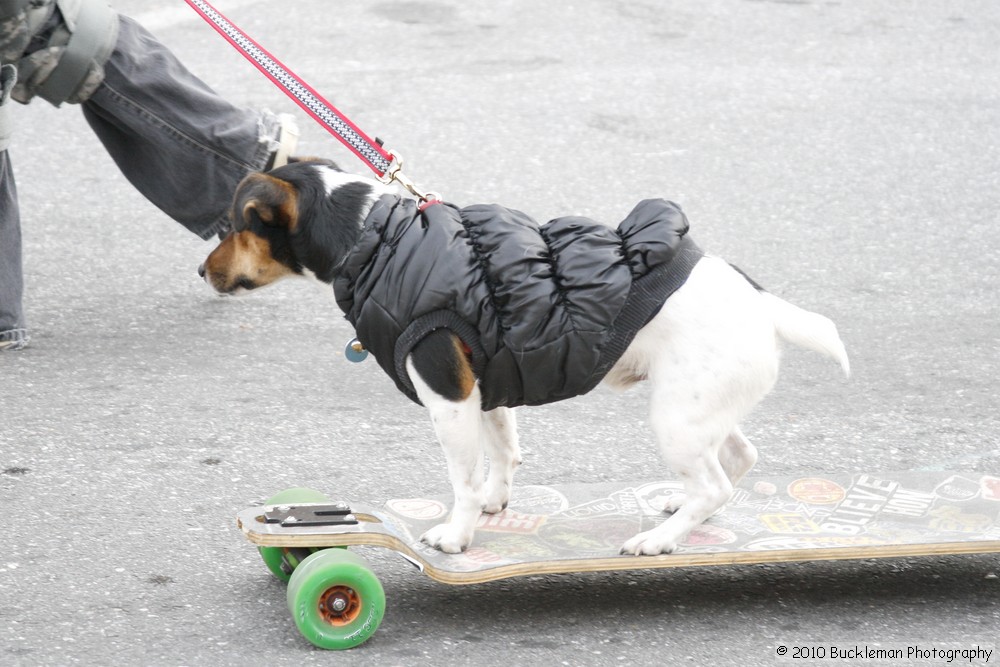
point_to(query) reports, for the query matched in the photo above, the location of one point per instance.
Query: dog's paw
(448, 538)
(496, 501)
(494, 507)
(650, 543)
(497, 494)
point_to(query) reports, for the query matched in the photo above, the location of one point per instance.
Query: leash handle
(384, 163)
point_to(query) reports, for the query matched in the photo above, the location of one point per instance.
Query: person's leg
(13, 333)
(176, 140)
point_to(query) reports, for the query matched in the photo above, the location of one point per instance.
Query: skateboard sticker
(516, 547)
(990, 487)
(748, 525)
(744, 499)
(590, 537)
(420, 509)
(509, 521)
(627, 502)
(483, 557)
(869, 497)
(654, 498)
(816, 491)
(957, 488)
(595, 508)
(951, 518)
(707, 535)
(765, 488)
(621, 503)
(789, 522)
(538, 500)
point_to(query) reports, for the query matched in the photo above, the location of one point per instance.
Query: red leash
(386, 164)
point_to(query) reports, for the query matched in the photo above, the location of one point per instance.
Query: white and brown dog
(710, 352)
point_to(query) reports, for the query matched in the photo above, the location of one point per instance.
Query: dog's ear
(262, 199)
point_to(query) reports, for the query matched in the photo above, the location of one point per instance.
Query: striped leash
(387, 165)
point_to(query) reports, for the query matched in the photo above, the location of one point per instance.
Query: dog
(710, 351)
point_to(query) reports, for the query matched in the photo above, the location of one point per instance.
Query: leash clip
(395, 173)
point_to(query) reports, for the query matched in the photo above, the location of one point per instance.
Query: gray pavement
(844, 154)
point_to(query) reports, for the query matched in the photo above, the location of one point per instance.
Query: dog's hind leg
(692, 450)
(500, 426)
(713, 356)
(737, 456)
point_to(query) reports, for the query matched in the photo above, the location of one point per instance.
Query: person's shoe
(287, 140)
(14, 339)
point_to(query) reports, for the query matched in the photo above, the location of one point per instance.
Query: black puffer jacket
(546, 311)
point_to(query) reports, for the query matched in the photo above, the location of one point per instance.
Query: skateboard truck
(328, 514)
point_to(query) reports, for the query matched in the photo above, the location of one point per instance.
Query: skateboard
(338, 602)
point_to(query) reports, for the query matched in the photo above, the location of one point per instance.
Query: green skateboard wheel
(336, 600)
(273, 557)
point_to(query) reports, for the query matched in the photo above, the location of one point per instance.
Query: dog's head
(304, 216)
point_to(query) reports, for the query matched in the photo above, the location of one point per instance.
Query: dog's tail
(808, 330)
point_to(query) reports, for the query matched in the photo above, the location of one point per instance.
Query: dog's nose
(201, 270)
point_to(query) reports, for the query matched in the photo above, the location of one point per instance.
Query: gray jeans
(180, 144)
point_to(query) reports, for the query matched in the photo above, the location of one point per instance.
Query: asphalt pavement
(844, 154)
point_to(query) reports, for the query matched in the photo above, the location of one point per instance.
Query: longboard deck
(581, 527)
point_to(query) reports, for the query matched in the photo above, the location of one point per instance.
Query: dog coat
(546, 311)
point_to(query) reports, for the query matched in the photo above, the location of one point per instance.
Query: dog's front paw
(650, 543)
(448, 538)
(494, 507)
(496, 500)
